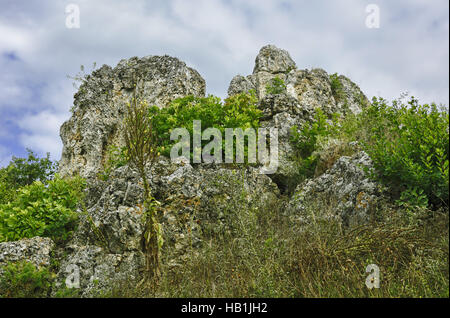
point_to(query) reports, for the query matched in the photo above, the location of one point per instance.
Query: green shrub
(336, 87)
(238, 111)
(409, 145)
(23, 280)
(7, 192)
(306, 140)
(276, 86)
(42, 210)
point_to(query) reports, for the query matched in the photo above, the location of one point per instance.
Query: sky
(406, 52)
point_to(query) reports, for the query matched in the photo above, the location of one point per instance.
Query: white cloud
(41, 133)
(14, 39)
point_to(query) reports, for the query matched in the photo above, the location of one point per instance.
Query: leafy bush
(238, 111)
(306, 140)
(24, 171)
(409, 145)
(23, 279)
(42, 210)
(7, 192)
(276, 86)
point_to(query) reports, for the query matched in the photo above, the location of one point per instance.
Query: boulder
(273, 60)
(345, 191)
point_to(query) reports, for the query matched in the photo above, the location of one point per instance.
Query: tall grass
(268, 255)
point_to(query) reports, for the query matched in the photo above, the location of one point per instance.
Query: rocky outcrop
(271, 62)
(197, 201)
(305, 90)
(351, 196)
(311, 88)
(101, 103)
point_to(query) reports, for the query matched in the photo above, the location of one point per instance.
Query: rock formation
(351, 194)
(305, 91)
(101, 103)
(196, 201)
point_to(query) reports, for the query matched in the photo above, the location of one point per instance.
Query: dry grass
(273, 257)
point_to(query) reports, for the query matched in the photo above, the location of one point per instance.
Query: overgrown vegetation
(35, 201)
(238, 111)
(21, 172)
(24, 280)
(408, 143)
(141, 148)
(264, 254)
(336, 87)
(306, 141)
(42, 210)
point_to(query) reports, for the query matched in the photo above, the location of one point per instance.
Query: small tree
(141, 145)
(24, 171)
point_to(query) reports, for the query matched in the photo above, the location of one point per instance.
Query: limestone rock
(312, 89)
(306, 90)
(36, 250)
(354, 99)
(101, 103)
(273, 60)
(98, 270)
(352, 196)
(240, 84)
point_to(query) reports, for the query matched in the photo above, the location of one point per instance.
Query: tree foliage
(238, 111)
(42, 210)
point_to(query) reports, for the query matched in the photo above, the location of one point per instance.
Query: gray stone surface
(101, 103)
(351, 194)
(36, 250)
(273, 60)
